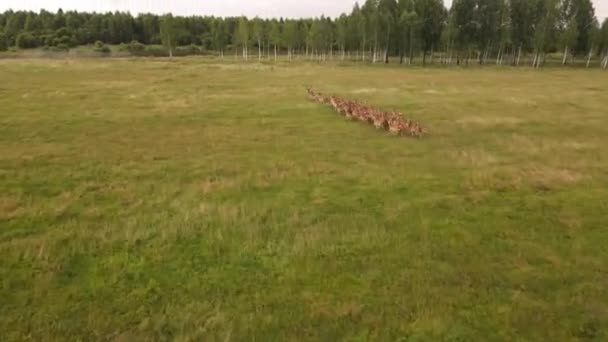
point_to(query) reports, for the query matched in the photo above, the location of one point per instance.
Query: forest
(471, 31)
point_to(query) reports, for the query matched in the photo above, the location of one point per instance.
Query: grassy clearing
(182, 200)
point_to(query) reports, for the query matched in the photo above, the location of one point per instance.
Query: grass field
(149, 199)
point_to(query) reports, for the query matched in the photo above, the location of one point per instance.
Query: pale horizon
(224, 8)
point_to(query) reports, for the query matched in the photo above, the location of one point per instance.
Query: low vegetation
(149, 199)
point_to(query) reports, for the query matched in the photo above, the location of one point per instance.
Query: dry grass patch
(488, 121)
(549, 177)
(475, 158)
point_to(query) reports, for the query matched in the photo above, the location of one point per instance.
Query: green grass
(149, 199)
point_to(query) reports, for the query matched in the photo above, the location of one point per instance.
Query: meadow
(198, 199)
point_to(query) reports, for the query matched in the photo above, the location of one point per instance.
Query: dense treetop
(377, 29)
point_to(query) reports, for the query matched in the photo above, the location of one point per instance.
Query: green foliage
(168, 33)
(471, 27)
(432, 19)
(3, 42)
(155, 51)
(583, 14)
(545, 30)
(57, 48)
(100, 47)
(290, 33)
(522, 19)
(26, 40)
(570, 34)
(464, 15)
(136, 48)
(603, 37)
(242, 32)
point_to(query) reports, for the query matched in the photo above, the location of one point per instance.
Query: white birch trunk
(565, 59)
(518, 55)
(375, 52)
(498, 56)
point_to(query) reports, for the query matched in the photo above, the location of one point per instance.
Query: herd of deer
(392, 122)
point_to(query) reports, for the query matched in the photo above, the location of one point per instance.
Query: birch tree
(242, 35)
(522, 26)
(547, 13)
(275, 36)
(168, 34)
(603, 44)
(258, 35)
(504, 31)
(465, 22)
(568, 37)
(341, 34)
(289, 37)
(432, 19)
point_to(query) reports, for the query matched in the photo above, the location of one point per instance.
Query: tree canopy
(374, 29)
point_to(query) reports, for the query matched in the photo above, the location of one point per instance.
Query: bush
(60, 47)
(101, 48)
(47, 39)
(26, 40)
(104, 49)
(156, 51)
(73, 41)
(55, 48)
(61, 40)
(136, 48)
(187, 50)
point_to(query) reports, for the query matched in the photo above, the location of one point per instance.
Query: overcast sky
(250, 8)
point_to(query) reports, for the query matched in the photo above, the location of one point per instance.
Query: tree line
(471, 31)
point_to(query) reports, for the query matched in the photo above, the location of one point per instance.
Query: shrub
(55, 48)
(60, 47)
(104, 49)
(101, 48)
(61, 40)
(187, 50)
(47, 39)
(26, 40)
(73, 41)
(136, 48)
(156, 51)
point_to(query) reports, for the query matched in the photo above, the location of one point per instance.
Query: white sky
(251, 8)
